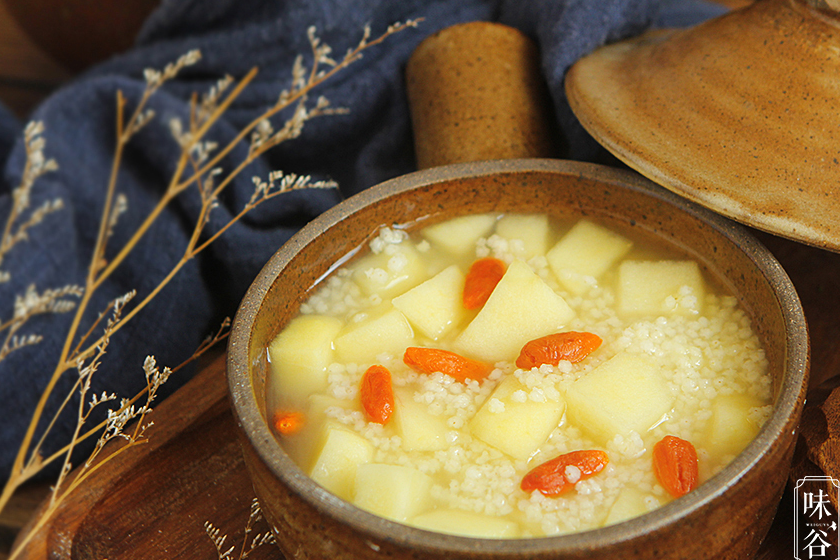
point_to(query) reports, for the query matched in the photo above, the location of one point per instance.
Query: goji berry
(675, 465)
(431, 360)
(552, 477)
(288, 422)
(570, 346)
(377, 394)
(481, 280)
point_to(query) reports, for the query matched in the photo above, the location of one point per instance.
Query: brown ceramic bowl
(727, 517)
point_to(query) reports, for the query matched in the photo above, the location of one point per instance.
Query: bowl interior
(622, 200)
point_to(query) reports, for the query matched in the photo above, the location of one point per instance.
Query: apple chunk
(392, 491)
(586, 251)
(522, 307)
(660, 287)
(626, 393)
(467, 523)
(338, 458)
(301, 446)
(419, 429)
(731, 426)
(513, 423)
(361, 342)
(631, 502)
(300, 355)
(458, 236)
(390, 272)
(435, 306)
(532, 229)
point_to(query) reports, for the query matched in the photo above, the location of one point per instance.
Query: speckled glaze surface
(738, 114)
(725, 518)
(476, 93)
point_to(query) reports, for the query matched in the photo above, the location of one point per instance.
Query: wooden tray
(154, 503)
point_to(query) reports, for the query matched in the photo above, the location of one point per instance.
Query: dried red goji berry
(431, 360)
(570, 346)
(481, 279)
(675, 465)
(377, 394)
(552, 477)
(288, 422)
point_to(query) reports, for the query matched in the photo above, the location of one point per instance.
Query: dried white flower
(248, 547)
(154, 376)
(156, 78)
(279, 182)
(142, 119)
(119, 208)
(184, 139)
(50, 301)
(210, 100)
(16, 228)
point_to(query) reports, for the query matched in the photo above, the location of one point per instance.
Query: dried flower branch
(248, 546)
(15, 230)
(200, 164)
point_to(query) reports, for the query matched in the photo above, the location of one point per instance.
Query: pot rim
(783, 419)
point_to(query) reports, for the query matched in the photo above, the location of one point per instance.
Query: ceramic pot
(726, 517)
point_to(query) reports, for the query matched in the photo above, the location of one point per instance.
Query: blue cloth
(370, 144)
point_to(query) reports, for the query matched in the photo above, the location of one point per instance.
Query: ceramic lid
(740, 114)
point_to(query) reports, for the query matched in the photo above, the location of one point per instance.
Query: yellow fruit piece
(512, 422)
(300, 355)
(392, 491)
(660, 288)
(532, 230)
(466, 523)
(435, 306)
(584, 254)
(522, 307)
(458, 236)
(626, 393)
(338, 458)
(419, 429)
(362, 342)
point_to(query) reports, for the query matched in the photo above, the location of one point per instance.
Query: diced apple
(300, 355)
(396, 269)
(435, 306)
(338, 459)
(626, 393)
(660, 287)
(419, 429)
(458, 236)
(393, 491)
(731, 427)
(387, 333)
(522, 307)
(467, 523)
(301, 445)
(586, 251)
(513, 423)
(631, 502)
(532, 229)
